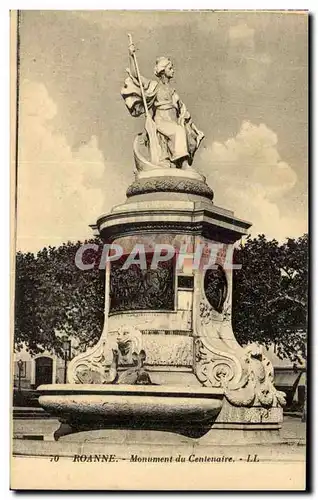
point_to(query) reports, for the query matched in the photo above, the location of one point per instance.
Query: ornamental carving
(129, 341)
(256, 386)
(217, 353)
(138, 289)
(93, 369)
(89, 367)
(212, 369)
(170, 184)
(216, 287)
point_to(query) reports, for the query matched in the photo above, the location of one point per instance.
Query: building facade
(30, 371)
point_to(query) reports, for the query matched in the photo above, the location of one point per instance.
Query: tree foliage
(54, 298)
(270, 294)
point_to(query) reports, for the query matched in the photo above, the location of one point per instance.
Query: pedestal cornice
(181, 217)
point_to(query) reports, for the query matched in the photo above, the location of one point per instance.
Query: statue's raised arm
(171, 136)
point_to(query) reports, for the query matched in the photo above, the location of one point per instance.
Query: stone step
(30, 413)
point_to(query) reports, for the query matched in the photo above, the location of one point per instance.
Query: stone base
(249, 418)
(170, 184)
(169, 180)
(188, 173)
(240, 437)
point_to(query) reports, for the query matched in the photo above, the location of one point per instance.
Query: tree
(54, 297)
(270, 294)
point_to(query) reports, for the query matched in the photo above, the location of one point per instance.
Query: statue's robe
(178, 137)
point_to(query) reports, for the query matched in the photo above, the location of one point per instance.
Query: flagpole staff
(139, 77)
(150, 125)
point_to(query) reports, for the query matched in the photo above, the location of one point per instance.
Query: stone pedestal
(170, 325)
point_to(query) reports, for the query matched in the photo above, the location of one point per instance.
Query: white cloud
(56, 197)
(248, 175)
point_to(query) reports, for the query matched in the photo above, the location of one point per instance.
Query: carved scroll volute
(89, 367)
(217, 352)
(212, 367)
(256, 386)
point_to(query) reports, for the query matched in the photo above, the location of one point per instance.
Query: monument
(167, 358)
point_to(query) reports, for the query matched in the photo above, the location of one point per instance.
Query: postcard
(159, 250)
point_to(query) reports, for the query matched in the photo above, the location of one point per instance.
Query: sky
(242, 75)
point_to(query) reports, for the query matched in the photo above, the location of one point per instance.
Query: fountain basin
(188, 411)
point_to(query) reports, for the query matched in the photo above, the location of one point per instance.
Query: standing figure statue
(171, 135)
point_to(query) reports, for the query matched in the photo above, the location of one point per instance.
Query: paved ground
(34, 438)
(276, 466)
(293, 428)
